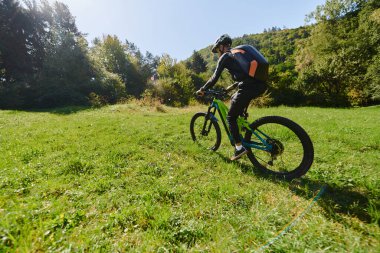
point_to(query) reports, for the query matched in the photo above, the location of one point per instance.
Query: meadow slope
(129, 178)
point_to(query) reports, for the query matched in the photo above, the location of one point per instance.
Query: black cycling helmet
(222, 40)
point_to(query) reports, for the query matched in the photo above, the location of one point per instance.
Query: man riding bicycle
(247, 81)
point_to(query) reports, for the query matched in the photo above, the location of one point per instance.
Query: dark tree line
(45, 61)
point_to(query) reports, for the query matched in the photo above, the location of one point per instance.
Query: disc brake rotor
(277, 149)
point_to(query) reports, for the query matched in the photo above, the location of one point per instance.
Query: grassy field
(129, 178)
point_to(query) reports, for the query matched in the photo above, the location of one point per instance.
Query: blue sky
(178, 27)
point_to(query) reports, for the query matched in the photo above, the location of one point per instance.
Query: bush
(264, 100)
(287, 96)
(175, 86)
(96, 100)
(356, 97)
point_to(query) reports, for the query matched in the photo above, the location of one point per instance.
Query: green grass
(129, 178)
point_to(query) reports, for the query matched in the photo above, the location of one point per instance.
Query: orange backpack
(251, 61)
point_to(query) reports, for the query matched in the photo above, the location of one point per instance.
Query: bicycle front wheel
(291, 151)
(205, 131)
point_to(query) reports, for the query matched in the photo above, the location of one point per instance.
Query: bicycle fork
(210, 116)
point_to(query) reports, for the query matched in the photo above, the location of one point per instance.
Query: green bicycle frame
(218, 105)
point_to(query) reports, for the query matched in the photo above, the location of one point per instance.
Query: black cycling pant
(247, 91)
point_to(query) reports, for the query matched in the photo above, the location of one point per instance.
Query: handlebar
(218, 94)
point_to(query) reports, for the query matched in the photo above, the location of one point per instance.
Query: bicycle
(281, 147)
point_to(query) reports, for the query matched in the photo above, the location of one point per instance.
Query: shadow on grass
(62, 110)
(336, 200)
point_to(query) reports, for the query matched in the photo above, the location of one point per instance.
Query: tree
(373, 75)
(197, 63)
(334, 61)
(110, 51)
(141, 69)
(371, 28)
(22, 35)
(65, 75)
(16, 31)
(69, 75)
(335, 9)
(175, 85)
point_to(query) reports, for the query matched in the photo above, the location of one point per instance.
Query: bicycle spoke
(205, 132)
(285, 155)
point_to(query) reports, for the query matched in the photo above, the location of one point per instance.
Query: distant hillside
(334, 62)
(277, 45)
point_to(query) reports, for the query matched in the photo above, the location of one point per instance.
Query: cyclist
(248, 88)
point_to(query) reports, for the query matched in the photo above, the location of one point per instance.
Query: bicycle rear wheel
(205, 131)
(291, 154)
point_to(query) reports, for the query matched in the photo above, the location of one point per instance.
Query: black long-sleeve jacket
(227, 61)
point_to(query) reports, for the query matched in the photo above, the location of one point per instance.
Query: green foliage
(373, 76)
(141, 69)
(109, 61)
(335, 9)
(61, 71)
(110, 52)
(338, 59)
(175, 86)
(70, 74)
(65, 78)
(331, 63)
(19, 46)
(45, 60)
(196, 63)
(22, 40)
(279, 47)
